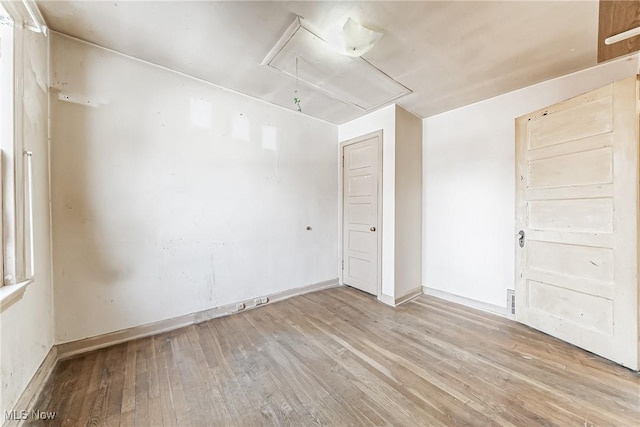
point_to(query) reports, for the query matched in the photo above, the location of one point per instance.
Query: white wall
(385, 120)
(172, 196)
(408, 198)
(469, 186)
(26, 326)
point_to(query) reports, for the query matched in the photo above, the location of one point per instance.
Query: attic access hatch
(352, 80)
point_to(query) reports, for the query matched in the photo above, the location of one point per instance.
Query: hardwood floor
(338, 357)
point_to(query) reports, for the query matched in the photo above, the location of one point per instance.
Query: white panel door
(361, 168)
(577, 205)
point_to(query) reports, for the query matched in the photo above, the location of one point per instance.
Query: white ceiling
(449, 53)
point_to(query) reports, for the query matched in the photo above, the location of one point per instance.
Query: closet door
(577, 217)
(361, 239)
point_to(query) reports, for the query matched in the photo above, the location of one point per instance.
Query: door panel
(577, 202)
(361, 167)
(361, 157)
(582, 262)
(557, 171)
(361, 184)
(575, 215)
(361, 241)
(362, 213)
(586, 311)
(573, 122)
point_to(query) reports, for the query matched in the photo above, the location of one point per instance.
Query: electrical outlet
(261, 300)
(239, 307)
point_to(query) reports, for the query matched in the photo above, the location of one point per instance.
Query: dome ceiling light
(351, 38)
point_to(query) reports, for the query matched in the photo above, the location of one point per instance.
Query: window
(15, 164)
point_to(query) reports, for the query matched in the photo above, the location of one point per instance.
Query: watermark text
(29, 415)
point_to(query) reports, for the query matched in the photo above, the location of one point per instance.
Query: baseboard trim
(409, 296)
(490, 308)
(327, 284)
(386, 299)
(28, 397)
(394, 302)
(74, 348)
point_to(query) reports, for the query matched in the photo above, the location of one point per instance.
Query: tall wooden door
(361, 228)
(577, 221)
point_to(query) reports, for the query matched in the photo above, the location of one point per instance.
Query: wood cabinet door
(616, 17)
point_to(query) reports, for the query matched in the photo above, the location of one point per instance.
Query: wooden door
(577, 204)
(361, 228)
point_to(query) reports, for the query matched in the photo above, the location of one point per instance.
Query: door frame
(343, 144)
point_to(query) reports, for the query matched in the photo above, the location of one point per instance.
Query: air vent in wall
(511, 303)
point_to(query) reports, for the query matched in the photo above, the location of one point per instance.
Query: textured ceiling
(449, 53)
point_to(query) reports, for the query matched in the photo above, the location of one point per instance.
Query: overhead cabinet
(618, 29)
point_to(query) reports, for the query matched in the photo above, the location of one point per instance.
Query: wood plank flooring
(338, 357)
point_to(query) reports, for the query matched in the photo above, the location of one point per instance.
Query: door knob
(521, 238)
(372, 229)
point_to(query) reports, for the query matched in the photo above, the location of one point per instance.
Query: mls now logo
(24, 415)
(16, 415)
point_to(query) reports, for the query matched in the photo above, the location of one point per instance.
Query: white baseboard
(386, 299)
(394, 302)
(28, 397)
(409, 296)
(490, 308)
(73, 348)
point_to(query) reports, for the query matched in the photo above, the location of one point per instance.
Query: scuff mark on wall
(80, 100)
(212, 281)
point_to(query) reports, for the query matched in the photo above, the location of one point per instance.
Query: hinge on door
(343, 264)
(342, 163)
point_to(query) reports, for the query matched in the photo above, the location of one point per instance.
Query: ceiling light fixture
(351, 38)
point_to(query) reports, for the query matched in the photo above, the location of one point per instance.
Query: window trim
(8, 127)
(17, 269)
(12, 293)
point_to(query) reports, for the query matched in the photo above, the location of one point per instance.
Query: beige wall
(171, 196)
(26, 326)
(408, 197)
